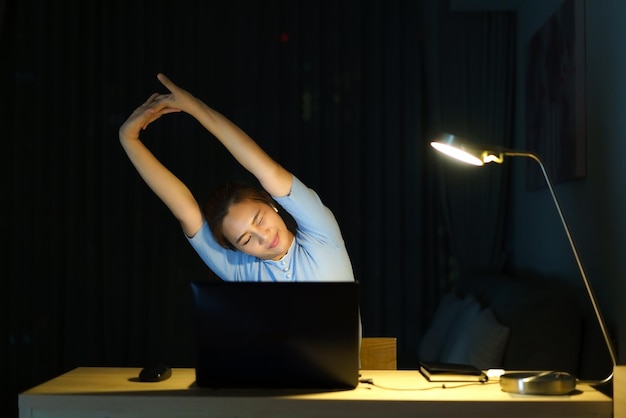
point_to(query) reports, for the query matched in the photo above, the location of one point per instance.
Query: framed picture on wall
(555, 96)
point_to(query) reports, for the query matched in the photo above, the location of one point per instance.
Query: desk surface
(115, 392)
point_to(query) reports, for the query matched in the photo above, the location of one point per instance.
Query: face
(256, 228)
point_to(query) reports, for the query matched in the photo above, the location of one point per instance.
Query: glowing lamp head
(453, 146)
(457, 153)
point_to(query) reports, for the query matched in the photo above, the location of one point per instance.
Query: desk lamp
(535, 382)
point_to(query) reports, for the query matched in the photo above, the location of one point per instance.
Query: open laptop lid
(277, 335)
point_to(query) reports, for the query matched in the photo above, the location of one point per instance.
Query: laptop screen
(276, 335)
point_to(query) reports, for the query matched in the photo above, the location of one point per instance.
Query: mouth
(274, 242)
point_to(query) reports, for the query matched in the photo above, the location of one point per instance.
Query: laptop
(276, 335)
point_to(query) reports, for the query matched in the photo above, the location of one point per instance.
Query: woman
(239, 232)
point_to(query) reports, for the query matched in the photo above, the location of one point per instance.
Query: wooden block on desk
(378, 353)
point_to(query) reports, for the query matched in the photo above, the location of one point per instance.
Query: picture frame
(555, 96)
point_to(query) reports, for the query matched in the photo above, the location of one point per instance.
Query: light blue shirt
(317, 253)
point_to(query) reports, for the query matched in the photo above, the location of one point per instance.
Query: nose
(264, 236)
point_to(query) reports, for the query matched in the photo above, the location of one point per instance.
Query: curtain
(344, 94)
(478, 106)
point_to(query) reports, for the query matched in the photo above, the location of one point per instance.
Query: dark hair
(223, 197)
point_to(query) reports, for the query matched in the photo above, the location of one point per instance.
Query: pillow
(455, 347)
(488, 339)
(445, 315)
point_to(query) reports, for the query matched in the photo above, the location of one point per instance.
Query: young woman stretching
(239, 232)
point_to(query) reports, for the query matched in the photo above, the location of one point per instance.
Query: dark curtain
(345, 94)
(477, 105)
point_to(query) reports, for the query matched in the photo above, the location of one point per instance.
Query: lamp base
(538, 383)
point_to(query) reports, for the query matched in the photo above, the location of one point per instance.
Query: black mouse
(155, 373)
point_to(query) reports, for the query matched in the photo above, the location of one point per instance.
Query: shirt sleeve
(222, 261)
(312, 216)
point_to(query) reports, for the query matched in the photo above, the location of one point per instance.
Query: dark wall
(593, 205)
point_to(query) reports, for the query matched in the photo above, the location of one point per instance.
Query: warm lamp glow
(455, 147)
(460, 150)
(457, 153)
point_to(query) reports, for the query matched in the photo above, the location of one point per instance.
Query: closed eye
(256, 220)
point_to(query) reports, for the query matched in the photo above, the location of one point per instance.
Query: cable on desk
(370, 382)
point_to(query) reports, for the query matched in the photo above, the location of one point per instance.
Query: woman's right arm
(274, 178)
(173, 192)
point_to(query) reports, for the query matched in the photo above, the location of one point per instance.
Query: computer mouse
(155, 373)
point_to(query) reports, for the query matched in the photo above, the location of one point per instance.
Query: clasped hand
(156, 106)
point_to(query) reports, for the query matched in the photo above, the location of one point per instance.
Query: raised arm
(275, 179)
(173, 192)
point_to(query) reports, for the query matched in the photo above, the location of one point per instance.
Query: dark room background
(346, 94)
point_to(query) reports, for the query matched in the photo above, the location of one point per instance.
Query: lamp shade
(451, 146)
(457, 148)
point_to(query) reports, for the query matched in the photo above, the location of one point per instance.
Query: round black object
(155, 373)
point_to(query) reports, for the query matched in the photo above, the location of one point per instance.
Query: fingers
(166, 82)
(153, 114)
(161, 102)
(152, 97)
(157, 104)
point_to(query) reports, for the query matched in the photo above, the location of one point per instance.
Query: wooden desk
(114, 393)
